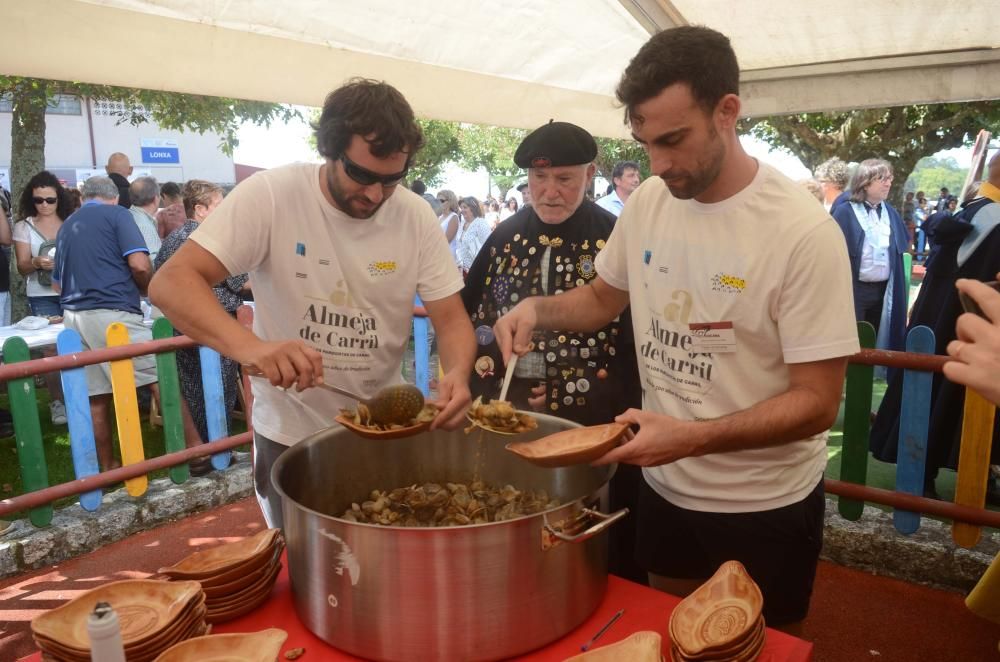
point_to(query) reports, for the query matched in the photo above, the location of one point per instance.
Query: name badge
(712, 337)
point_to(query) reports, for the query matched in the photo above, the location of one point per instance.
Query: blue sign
(161, 154)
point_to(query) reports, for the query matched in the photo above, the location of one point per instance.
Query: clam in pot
(478, 592)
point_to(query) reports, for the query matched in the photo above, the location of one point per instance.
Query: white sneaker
(57, 410)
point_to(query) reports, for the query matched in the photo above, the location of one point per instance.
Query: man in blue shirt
(625, 178)
(102, 267)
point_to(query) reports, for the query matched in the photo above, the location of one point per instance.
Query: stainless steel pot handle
(587, 534)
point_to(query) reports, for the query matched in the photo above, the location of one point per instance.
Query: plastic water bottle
(105, 635)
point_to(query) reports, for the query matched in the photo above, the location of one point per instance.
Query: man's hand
(453, 400)
(513, 330)
(661, 439)
(976, 353)
(537, 401)
(285, 363)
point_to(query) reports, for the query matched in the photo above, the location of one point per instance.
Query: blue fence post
(215, 402)
(421, 352)
(81, 425)
(914, 421)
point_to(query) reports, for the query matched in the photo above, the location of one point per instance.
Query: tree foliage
(901, 135)
(613, 150)
(492, 148)
(930, 174)
(181, 112)
(441, 147)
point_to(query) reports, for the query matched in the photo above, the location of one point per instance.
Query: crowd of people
(87, 255)
(643, 307)
(467, 227)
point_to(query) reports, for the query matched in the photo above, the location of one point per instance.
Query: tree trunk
(27, 158)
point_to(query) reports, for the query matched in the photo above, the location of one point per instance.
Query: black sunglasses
(50, 201)
(366, 177)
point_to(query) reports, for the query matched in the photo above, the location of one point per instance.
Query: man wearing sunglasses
(336, 253)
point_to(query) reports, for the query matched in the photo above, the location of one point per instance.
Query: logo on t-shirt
(300, 249)
(382, 268)
(726, 283)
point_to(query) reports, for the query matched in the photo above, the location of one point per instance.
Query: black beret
(556, 144)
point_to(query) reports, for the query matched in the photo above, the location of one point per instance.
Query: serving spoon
(393, 405)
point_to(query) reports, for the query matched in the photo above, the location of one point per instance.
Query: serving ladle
(393, 405)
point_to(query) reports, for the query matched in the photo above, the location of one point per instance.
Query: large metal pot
(478, 592)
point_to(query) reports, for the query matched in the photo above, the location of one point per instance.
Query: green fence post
(857, 424)
(24, 409)
(170, 399)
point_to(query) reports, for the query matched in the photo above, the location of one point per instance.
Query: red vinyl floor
(854, 616)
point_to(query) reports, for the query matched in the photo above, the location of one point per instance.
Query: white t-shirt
(343, 285)
(24, 234)
(773, 263)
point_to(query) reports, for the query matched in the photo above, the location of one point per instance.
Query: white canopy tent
(516, 63)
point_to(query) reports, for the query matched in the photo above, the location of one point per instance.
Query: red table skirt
(645, 609)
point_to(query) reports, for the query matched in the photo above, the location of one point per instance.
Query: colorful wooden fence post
(27, 429)
(973, 462)
(215, 402)
(857, 425)
(914, 419)
(907, 275)
(421, 352)
(126, 409)
(170, 400)
(81, 424)
(244, 314)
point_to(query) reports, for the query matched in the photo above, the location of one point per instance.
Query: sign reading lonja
(160, 150)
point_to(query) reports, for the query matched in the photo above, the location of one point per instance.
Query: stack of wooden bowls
(153, 616)
(721, 621)
(236, 577)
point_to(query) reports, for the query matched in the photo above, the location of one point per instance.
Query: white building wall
(68, 148)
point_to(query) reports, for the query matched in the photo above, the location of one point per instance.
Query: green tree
(492, 148)
(182, 112)
(930, 174)
(902, 135)
(612, 150)
(441, 147)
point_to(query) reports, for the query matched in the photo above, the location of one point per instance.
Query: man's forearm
(579, 309)
(457, 347)
(795, 414)
(190, 304)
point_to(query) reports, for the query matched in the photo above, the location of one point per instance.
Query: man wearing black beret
(548, 248)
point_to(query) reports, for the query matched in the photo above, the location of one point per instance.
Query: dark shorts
(780, 547)
(45, 306)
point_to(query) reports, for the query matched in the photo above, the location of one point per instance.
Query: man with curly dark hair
(336, 253)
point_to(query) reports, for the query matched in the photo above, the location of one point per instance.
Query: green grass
(59, 457)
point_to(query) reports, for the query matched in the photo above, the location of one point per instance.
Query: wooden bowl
(644, 646)
(220, 590)
(371, 433)
(257, 563)
(247, 594)
(145, 608)
(216, 560)
(719, 613)
(573, 446)
(263, 646)
(752, 643)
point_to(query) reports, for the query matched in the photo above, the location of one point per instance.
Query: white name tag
(712, 337)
